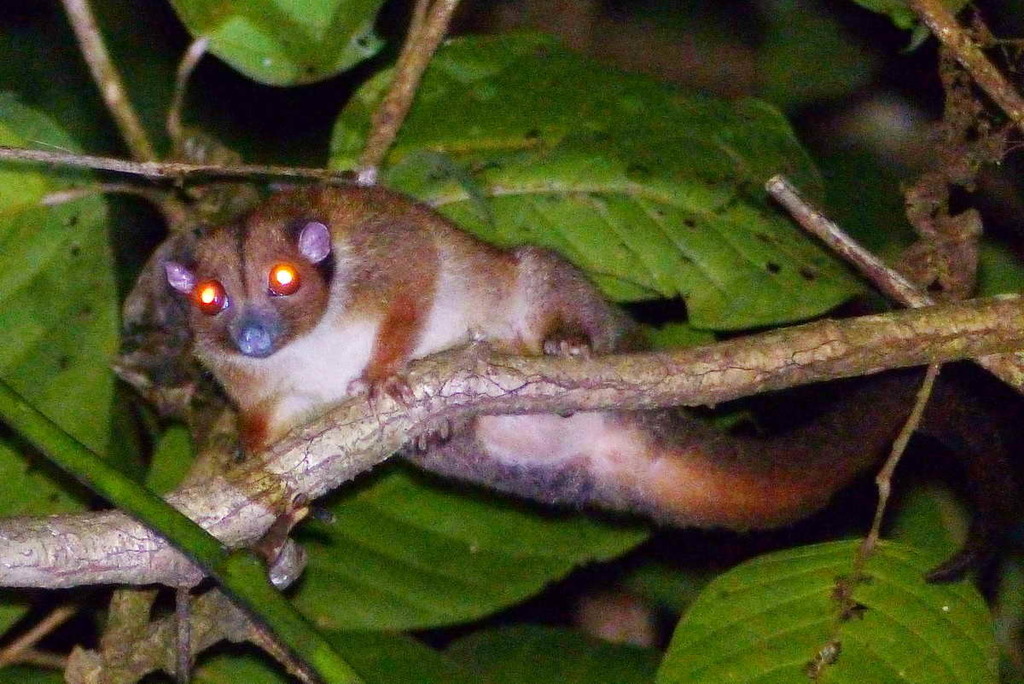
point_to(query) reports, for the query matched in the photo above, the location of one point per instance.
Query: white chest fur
(310, 373)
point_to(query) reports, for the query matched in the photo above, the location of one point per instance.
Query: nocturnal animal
(324, 292)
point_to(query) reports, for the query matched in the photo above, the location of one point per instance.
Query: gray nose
(256, 333)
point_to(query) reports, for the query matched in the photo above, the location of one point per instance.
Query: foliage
(656, 192)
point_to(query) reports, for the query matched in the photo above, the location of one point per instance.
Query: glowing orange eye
(284, 279)
(210, 297)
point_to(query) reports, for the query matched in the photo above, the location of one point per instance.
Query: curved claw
(394, 386)
(571, 346)
(435, 433)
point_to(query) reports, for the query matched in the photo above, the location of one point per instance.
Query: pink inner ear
(179, 277)
(315, 241)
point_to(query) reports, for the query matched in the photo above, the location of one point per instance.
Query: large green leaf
(783, 616)
(285, 42)
(58, 309)
(542, 655)
(403, 554)
(653, 193)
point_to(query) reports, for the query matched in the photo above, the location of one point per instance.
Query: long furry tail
(675, 468)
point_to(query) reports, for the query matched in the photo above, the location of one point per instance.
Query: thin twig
(174, 171)
(187, 65)
(14, 651)
(888, 281)
(390, 114)
(884, 477)
(183, 629)
(44, 659)
(1007, 367)
(262, 637)
(108, 80)
(943, 24)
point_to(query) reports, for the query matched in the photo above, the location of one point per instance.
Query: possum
(323, 293)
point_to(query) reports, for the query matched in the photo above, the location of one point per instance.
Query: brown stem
(183, 635)
(889, 282)
(151, 646)
(944, 25)
(390, 114)
(1007, 367)
(49, 661)
(13, 652)
(884, 477)
(188, 64)
(419, 18)
(107, 78)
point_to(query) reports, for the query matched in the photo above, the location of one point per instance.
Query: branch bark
(238, 506)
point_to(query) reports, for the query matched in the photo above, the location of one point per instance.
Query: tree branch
(108, 79)
(1007, 367)
(239, 505)
(427, 29)
(966, 51)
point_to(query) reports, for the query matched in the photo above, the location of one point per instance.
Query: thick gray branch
(240, 505)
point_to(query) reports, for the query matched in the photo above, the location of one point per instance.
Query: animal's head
(256, 285)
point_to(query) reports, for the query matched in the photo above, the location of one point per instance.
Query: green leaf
(929, 516)
(666, 585)
(58, 310)
(653, 193)
(31, 675)
(999, 270)
(172, 458)
(377, 658)
(807, 55)
(404, 554)
(773, 618)
(389, 658)
(899, 11)
(676, 335)
(539, 655)
(285, 42)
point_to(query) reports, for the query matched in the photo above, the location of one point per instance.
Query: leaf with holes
(405, 554)
(801, 615)
(285, 42)
(652, 192)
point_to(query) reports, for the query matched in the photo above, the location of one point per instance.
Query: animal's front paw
(568, 346)
(437, 432)
(394, 386)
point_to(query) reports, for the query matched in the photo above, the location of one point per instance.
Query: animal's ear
(315, 241)
(180, 277)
